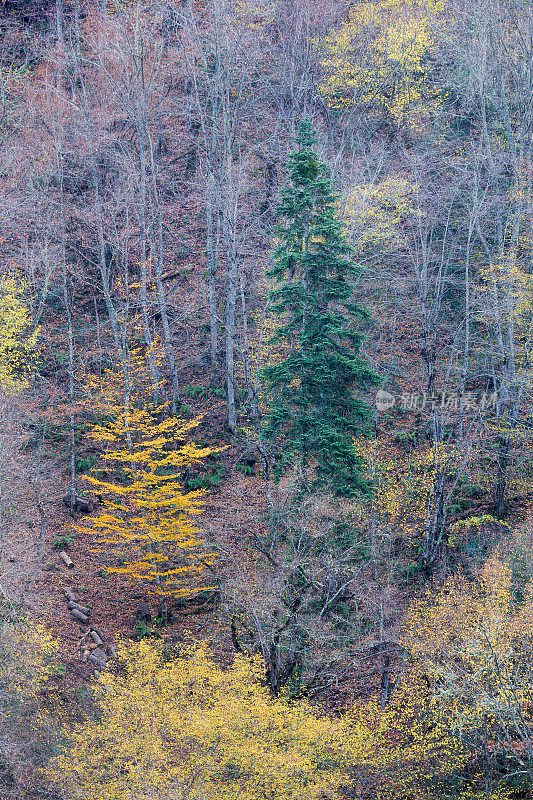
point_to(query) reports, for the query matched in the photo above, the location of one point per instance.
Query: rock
(66, 559)
(96, 638)
(99, 653)
(79, 616)
(142, 614)
(83, 609)
(98, 662)
(81, 504)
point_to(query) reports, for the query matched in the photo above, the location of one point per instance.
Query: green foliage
(314, 412)
(206, 479)
(246, 469)
(57, 671)
(410, 574)
(85, 464)
(476, 536)
(186, 411)
(62, 540)
(203, 392)
(195, 391)
(405, 439)
(144, 631)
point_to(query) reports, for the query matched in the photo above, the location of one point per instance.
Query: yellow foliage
(26, 661)
(379, 56)
(407, 749)
(507, 287)
(402, 489)
(147, 517)
(472, 644)
(462, 702)
(463, 528)
(104, 393)
(17, 343)
(374, 213)
(185, 729)
(26, 651)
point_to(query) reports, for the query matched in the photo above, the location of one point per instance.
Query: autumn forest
(266, 313)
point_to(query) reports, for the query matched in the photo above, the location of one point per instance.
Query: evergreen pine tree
(314, 411)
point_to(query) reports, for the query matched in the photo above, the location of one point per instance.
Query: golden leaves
(187, 729)
(146, 514)
(402, 488)
(374, 213)
(472, 642)
(380, 57)
(18, 344)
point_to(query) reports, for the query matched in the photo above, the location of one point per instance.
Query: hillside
(265, 390)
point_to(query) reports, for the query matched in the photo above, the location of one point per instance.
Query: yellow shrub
(187, 729)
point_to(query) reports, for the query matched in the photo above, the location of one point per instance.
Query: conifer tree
(314, 410)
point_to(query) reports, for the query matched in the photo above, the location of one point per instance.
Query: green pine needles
(314, 407)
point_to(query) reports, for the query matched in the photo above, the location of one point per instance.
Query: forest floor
(34, 578)
(33, 480)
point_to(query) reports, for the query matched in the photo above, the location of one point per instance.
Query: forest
(266, 315)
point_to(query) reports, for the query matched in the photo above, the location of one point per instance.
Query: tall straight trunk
(59, 21)
(250, 388)
(212, 217)
(118, 329)
(60, 162)
(231, 286)
(231, 299)
(70, 332)
(152, 363)
(72, 428)
(169, 349)
(151, 200)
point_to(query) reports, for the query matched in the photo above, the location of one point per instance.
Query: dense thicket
(282, 252)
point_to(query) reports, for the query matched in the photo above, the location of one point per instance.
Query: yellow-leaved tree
(185, 729)
(458, 725)
(188, 730)
(147, 517)
(18, 343)
(505, 289)
(403, 494)
(472, 642)
(27, 654)
(415, 749)
(379, 59)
